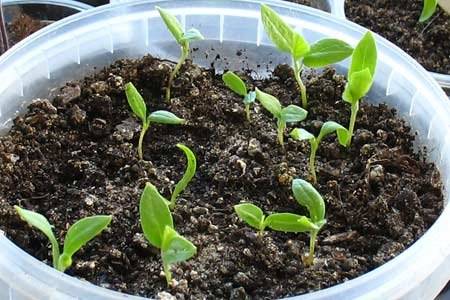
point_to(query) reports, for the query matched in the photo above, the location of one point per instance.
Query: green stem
(247, 112)
(166, 268)
(312, 242)
(312, 162)
(281, 126)
(144, 129)
(184, 55)
(351, 126)
(297, 71)
(64, 262)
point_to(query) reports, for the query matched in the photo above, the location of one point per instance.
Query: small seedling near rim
(139, 108)
(78, 235)
(429, 8)
(327, 128)
(183, 39)
(289, 114)
(360, 77)
(157, 225)
(306, 195)
(317, 55)
(236, 84)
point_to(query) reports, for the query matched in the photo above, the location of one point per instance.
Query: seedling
(286, 39)
(429, 8)
(360, 77)
(306, 195)
(78, 235)
(236, 84)
(188, 174)
(183, 39)
(157, 225)
(327, 128)
(139, 108)
(289, 114)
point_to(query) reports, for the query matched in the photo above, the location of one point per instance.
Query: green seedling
(286, 39)
(188, 174)
(307, 196)
(360, 77)
(327, 128)
(78, 235)
(429, 8)
(236, 84)
(139, 108)
(183, 39)
(289, 114)
(157, 225)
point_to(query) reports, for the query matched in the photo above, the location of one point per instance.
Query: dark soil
(397, 20)
(22, 26)
(76, 156)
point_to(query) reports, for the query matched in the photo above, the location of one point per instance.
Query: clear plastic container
(24, 17)
(337, 8)
(71, 48)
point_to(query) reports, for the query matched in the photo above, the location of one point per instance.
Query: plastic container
(24, 17)
(71, 48)
(337, 8)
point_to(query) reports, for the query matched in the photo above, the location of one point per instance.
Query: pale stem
(351, 127)
(281, 126)
(247, 112)
(297, 70)
(312, 162)
(184, 55)
(144, 129)
(312, 242)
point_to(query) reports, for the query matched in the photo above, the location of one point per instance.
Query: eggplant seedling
(360, 77)
(286, 39)
(183, 39)
(327, 128)
(157, 225)
(78, 235)
(306, 195)
(289, 114)
(236, 84)
(139, 108)
(429, 8)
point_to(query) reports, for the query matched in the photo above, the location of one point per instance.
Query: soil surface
(22, 26)
(397, 20)
(75, 156)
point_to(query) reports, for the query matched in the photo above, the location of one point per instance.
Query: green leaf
(301, 134)
(136, 102)
(165, 117)
(175, 248)
(192, 35)
(155, 215)
(429, 7)
(330, 127)
(234, 83)
(283, 35)
(288, 222)
(172, 24)
(293, 113)
(364, 56)
(250, 98)
(40, 222)
(358, 86)
(188, 173)
(251, 214)
(79, 234)
(308, 196)
(269, 102)
(326, 52)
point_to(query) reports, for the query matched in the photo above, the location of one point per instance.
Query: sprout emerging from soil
(157, 225)
(289, 114)
(78, 235)
(139, 108)
(183, 39)
(286, 39)
(360, 77)
(327, 128)
(429, 8)
(307, 196)
(236, 84)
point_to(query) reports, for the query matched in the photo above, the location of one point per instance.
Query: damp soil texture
(75, 155)
(397, 20)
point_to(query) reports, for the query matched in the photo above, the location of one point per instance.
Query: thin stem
(312, 242)
(167, 272)
(281, 126)
(312, 162)
(247, 112)
(144, 129)
(184, 55)
(351, 126)
(297, 71)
